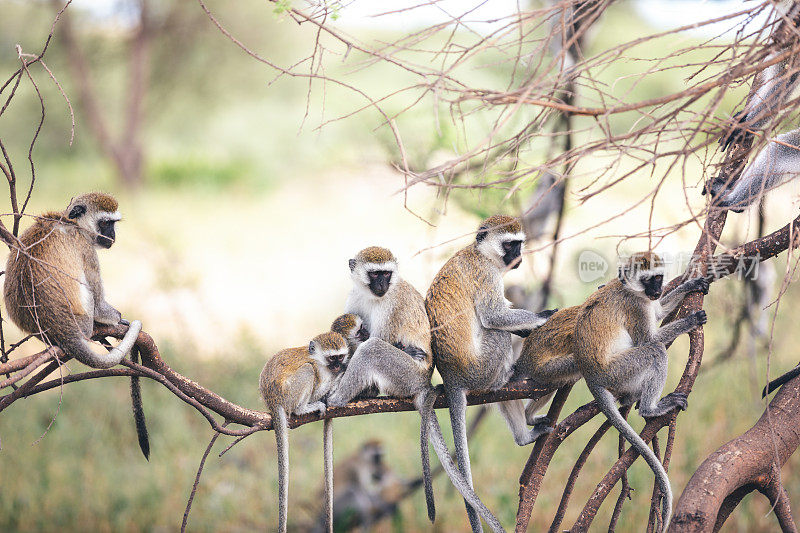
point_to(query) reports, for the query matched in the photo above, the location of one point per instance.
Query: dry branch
(748, 462)
(207, 401)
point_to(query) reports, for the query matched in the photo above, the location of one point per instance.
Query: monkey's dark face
(106, 235)
(335, 362)
(362, 334)
(512, 253)
(379, 281)
(652, 285)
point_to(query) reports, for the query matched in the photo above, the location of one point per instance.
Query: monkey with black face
(621, 353)
(472, 326)
(548, 353)
(295, 381)
(53, 288)
(397, 357)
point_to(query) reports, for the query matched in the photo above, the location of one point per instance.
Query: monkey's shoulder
(50, 231)
(286, 362)
(456, 288)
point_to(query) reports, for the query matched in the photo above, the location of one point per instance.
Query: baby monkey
(295, 381)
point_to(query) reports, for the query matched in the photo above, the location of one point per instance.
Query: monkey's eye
(373, 274)
(659, 278)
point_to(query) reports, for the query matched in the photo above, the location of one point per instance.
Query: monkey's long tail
(281, 426)
(440, 447)
(608, 405)
(138, 409)
(777, 382)
(424, 403)
(79, 348)
(327, 452)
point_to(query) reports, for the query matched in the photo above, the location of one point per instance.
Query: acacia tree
(553, 91)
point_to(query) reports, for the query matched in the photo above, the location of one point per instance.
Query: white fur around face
(635, 283)
(492, 246)
(360, 275)
(115, 216)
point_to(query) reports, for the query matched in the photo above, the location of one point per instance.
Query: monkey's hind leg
(534, 406)
(651, 404)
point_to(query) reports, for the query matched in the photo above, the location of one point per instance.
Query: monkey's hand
(697, 284)
(124, 322)
(738, 132)
(547, 313)
(522, 332)
(699, 317)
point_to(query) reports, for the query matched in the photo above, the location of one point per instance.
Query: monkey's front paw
(124, 322)
(699, 317)
(321, 408)
(698, 284)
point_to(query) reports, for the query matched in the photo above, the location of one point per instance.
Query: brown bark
(748, 462)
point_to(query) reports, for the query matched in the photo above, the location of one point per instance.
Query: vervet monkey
(621, 351)
(775, 84)
(295, 381)
(365, 489)
(53, 287)
(397, 357)
(547, 357)
(472, 325)
(352, 328)
(54, 291)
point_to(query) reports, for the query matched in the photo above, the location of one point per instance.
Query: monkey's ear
(311, 347)
(77, 211)
(483, 231)
(352, 264)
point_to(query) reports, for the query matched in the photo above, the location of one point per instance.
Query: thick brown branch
(749, 459)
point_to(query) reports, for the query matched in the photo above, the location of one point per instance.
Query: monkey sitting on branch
(621, 352)
(472, 325)
(53, 288)
(397, 359)
(295, 381)
(54, 291)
